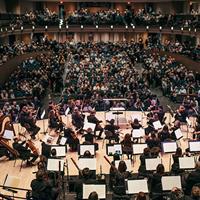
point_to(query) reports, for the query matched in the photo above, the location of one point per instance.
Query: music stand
(194, 146)
(152, 163)
(136, 186)
(117, 113)
(60, 150)
(169, 182)
(100, 189)
(11, 182)
(90, 163)
(86, 147)
(186, 162)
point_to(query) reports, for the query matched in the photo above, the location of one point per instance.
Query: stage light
(81, 26)
(111, 26)
(195, 30)
(172, 28)
(13, 28)
(181, 28)
(97, 26)
(147, 27)
(1, 30)
(160, 27)
(33, 27)
(126, 27)
(133, 27)
(67, 26)
(60, 27)
(46, 27)
(189, 29)
(22, 28)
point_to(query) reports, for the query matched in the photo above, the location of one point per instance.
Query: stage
(26, 174)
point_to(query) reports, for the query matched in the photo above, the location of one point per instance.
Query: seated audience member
(110, 131)
(193, 178)
(93, 119)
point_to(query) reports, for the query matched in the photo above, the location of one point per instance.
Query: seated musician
(150, 121)
(77, 119)
(156, 186)
(177, 125)
(110, 131)
(127, 146)
(196, 133)
(89, 138)
(93, 119)
(86, 176)
(175, 166)
(135, 124)
(54, 121)
(119, 175)
(164, 134)
(146, 154)
(181, 114)
(93, 196)
(42, 189)
(72, 139)
(26, 120)
(24, 152)
(153, 141)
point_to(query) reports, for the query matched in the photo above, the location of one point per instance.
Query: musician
(177, 125)
(181, 114)
(175, 166)
(54, 121)
(153, 141)
(89, 138)
(72, 139)
(135, 124)
(4, 153)
(42, 189)
(93, 196)
(164, 134)
(78, 119)
(92, 119)
(23, 151)
(193, 178)
(110, 131)
(127, 147)
(196, 134)
(150, 128)
(120, 175)
(26, 120)
(145, 155)
(156, 186)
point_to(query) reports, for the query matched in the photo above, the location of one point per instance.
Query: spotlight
(111, 26)
(181, 28)
(33, 27)
(81, 26)
(97, 26)
(22, 28)
(195, 30)
(172, 28)
(133, 27)
(46, 27)
(126, 27)
(60, 27)
(12, 28)
(160, 27)
(189, 29)
(67, 26)
(147, 27)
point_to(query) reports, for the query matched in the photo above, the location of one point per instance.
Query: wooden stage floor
(26, 175)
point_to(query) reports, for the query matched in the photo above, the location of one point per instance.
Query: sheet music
(87, 163)
(128, 164)
(12, 181)
(117, 109)
(152, 163)
(100, 189)
(169, 182)
(60, 150)
(178, 134)
(136, 186)
(169, 147)
(67, 111)
(43, 114)
(186, 162)
(138, 133)
(157, 125)
(8, 134)
(53, 164)
(110, 116)
(112, 149)
(136, 116)
(89, 147)
(118, 148)
(138, 148)
(63, 140)
(89, 125)
(194, 146)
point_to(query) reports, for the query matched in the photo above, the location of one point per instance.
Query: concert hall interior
(100, 99)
